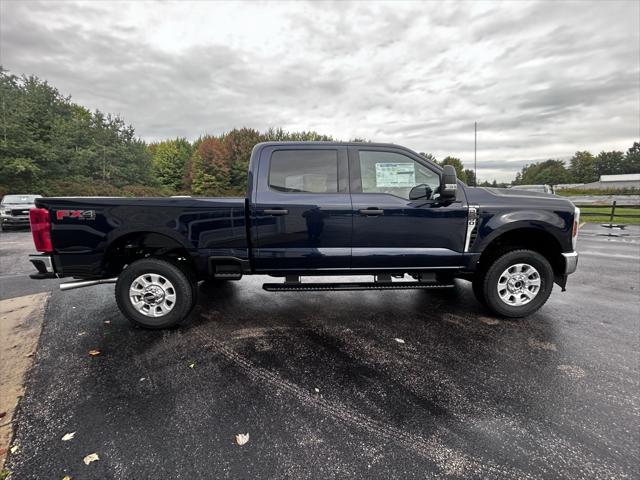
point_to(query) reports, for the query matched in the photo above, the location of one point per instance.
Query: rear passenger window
(308, 171)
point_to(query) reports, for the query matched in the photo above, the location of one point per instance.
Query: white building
(609, 182)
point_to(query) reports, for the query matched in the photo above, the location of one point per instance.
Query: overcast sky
(543, 79)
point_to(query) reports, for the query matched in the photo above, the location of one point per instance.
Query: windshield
(19, 199)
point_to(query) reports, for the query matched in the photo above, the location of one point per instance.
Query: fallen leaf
(399, 340)
(92, 457)
(29, 355)
(489, 321)
(14, 449)
(142, 379)
(317, 390)
(82, 334)
(191, 365)
(107, 322)
(94, 353)
(68, 436)
(3, 451)
(66, 477)
(242, 438)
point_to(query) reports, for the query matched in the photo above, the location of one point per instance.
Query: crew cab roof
(262, 145)
(325, 143)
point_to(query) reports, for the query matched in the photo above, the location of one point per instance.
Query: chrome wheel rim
(152, 295)
(519, 284)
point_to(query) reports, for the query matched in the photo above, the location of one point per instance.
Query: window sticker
(395, 174)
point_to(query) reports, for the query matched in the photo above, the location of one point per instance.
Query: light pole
(475, 154)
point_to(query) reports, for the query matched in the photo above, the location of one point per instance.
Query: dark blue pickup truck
(314, 209)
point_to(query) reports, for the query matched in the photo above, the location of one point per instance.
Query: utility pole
(4, 122)
(475, 154)
(104, 160)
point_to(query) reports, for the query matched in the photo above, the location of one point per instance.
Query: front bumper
(11, 220)
(44, 265)
(570, 262)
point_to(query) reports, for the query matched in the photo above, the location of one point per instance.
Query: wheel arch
(131, 246)
(538, 239)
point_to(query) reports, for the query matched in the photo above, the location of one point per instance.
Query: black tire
(485, 286)
(477, 285)
(181, 288)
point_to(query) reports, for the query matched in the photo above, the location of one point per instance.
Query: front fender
(494, 224)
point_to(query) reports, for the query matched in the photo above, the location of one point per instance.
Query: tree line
(52, 146)
(583, 167)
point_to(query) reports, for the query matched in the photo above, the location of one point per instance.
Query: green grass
(598, 192)
(605, 212)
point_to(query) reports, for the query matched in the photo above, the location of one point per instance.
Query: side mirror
(420, 191)
(448, 182)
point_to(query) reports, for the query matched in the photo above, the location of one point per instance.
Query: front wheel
(515, 284)
(154, 294)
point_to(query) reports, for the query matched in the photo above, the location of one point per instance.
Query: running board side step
(318, 287)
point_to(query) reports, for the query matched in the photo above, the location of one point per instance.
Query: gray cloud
(543, 79)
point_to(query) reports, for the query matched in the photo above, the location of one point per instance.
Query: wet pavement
(325, 389)
(15, 246)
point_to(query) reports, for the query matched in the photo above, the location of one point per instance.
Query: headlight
(3, 211)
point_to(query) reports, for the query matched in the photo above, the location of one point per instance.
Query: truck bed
(203, 226)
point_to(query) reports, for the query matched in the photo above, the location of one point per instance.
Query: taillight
(41, 229)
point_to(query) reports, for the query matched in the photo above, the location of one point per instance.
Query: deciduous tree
(582, 168)
(210, 167)
(170, 158)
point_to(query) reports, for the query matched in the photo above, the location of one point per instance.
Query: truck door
(390, 231)
(301, 213)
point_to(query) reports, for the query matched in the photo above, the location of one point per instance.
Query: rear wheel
(515, 284)
(154, 293)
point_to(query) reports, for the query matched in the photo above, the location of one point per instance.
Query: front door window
(394, 174)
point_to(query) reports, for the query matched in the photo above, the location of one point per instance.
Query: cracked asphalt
(324, 388)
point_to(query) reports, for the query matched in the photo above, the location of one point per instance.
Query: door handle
(371, 211)
(276, 211)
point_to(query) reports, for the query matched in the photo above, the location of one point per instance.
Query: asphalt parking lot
(325, 389)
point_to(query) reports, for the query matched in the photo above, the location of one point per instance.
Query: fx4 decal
(77, 214)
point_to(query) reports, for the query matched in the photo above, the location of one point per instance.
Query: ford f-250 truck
(314, 209)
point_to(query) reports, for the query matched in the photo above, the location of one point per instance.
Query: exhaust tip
(86, 283)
